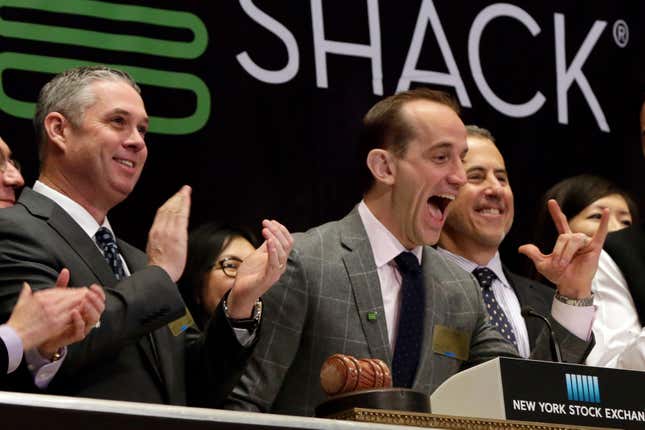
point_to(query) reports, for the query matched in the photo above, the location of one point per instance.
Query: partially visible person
(619, 286)
(10, 178)
(582, 199)
(215, 252)
(477, 223)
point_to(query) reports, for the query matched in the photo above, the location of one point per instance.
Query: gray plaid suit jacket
(319, 308)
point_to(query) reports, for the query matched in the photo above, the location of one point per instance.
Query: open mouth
(439, 203)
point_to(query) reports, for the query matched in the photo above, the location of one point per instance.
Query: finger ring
(98, 324)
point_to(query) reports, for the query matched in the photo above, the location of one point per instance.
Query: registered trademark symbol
(621, 33)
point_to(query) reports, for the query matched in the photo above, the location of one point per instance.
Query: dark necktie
(105, 241)
(496, 314)
(407, 350)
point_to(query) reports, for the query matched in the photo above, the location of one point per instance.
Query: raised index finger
(558, 217)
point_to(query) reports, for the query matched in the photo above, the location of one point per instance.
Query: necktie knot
(408, 263)
(105, 240)
(484, 276)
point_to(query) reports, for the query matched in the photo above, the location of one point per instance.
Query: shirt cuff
(42, 369)
(577, 319)
(244, 337)
(14, 346)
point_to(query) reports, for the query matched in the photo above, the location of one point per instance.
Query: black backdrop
(286, 150)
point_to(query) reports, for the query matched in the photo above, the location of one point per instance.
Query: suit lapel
(71, 232)
(364, 281)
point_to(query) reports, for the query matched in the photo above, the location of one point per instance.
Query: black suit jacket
(133, 355)
(531, 293)
(627, 248)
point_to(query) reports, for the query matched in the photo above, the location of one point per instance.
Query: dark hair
(205, 243)
(384, 126)
(573, 195)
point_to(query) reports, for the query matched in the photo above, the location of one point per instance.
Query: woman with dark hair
(582, 199)
(215, 252)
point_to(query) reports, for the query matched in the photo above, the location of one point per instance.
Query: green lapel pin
(371, 316)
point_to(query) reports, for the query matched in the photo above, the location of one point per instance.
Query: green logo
(114, 42)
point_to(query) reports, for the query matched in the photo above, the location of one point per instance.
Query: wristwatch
(250, 323)
(587, 301)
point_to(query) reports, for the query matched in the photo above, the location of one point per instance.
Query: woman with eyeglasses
(215, 252)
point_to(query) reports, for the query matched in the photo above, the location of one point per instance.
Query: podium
(539, 391)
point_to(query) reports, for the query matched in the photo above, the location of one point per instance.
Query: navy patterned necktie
(407, 350)
(105, 241)
(496, 314)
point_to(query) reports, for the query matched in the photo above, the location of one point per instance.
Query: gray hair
(482, 133)
(68, 93)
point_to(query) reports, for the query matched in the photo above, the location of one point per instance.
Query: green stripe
(152, 77)
(109, 41)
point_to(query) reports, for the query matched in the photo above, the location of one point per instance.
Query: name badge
(181, 324)
(451, 342)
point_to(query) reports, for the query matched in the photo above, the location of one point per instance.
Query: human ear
(56, 125)
(381, 164)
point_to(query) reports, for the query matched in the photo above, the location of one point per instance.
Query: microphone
(528, 311)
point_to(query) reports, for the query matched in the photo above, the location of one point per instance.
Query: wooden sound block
(394, 399)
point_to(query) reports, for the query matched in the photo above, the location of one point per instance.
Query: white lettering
(474, 39)
(565, 77)
(410, 73)
(524, 405)
(585, 411)
(323, 46)
(552, 408)
(293, 63)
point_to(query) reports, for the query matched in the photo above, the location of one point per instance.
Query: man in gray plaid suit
(342, 290)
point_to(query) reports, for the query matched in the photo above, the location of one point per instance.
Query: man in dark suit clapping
(91, 124)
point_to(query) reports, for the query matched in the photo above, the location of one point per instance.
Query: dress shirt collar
(495, 264)
(385, 246)
(73, 209)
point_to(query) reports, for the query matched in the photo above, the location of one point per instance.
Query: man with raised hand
(477, 223)
(369, 285)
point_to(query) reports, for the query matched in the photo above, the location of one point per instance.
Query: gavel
(343, 374)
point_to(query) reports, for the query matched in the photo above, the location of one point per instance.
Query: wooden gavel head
(343, 374)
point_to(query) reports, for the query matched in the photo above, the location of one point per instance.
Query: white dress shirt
(385, 247)
(577, 319)
(620, 338)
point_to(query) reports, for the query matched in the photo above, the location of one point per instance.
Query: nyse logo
(582, 388)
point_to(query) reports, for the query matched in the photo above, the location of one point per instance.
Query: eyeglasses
(228, 265)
